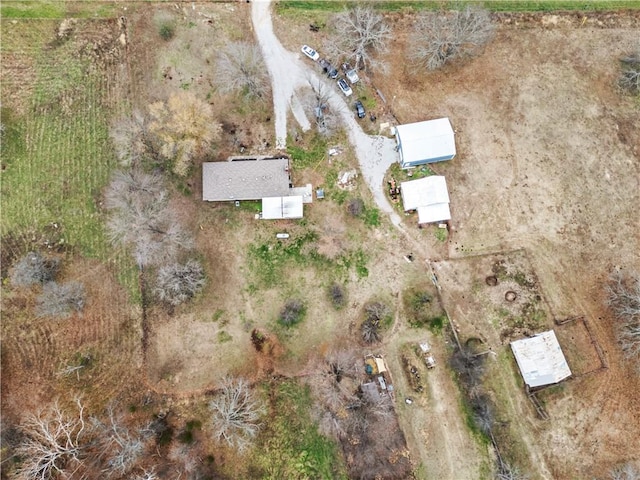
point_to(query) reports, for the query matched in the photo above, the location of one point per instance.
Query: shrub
(292, 313)
(167, 31)
(34, 268)
(338, 296)
(60, 300)
(355, 207)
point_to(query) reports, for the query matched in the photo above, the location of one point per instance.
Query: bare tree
(317, 104)
(361, 33)
(177, 283)
(624, 299)
(624, 296)
(53, 443)
(34, 268)
(146, 475)
(142, 218)
(185, 127)
(441, 37)
(60, 300)
(128, 137)
(240, 67)
(116, 445)
(510, 472)
(236, 413)
(630, 76)
(626, 471)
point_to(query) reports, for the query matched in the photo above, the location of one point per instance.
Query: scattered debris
(346, 180)
(425, 352)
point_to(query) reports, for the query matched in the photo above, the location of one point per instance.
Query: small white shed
(276, 208)
(429, 196)
(540, 359)
(425, 142)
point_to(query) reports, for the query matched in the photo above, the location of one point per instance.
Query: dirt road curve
(288, 73)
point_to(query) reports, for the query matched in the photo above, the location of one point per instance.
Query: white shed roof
(540, 359)
(432, 139)
(438, 212)
(425, 191)
(275, 208)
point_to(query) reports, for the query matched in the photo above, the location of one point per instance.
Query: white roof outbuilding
(540, 359)
(276, 208)
(425, 142)
(429, 196)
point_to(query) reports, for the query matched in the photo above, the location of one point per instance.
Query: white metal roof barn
(540, 359)
(425, 142)
(429, 197)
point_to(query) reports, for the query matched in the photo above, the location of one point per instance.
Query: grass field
(56, 154)
(48, 9)
(291, 446)
(291, 6)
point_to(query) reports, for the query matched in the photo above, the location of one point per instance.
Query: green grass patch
(441, 234)
(371, 217)
(293, 7)
(308, 153)
(32, 9)
(57, 158)
(223, 336)
(48, 9)
(290, 446)
(269, 259)
(436, 324)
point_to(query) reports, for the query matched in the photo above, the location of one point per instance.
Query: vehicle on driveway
(310, 52)
(352, 75)
(360, 109)
(344, 87)
(329, 69)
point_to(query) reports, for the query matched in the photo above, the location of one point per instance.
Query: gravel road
(289, 72)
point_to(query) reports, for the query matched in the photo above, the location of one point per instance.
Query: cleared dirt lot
(548, 160)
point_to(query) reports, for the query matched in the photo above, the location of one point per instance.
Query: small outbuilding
(428, 196)
(540, 360)
(425, 142)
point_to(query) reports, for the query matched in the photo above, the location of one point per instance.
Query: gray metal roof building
(247, 179)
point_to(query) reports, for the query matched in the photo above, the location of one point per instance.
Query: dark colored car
(360, 109)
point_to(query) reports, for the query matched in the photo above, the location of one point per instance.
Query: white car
(310, 52)
(352, 76)
(344, 86)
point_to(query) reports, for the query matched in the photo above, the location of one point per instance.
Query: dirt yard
(548, 161)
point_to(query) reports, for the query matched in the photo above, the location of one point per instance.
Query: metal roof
(540, 359)
(275, 208)
(423, 141)
(429, 196)
(250, 179)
